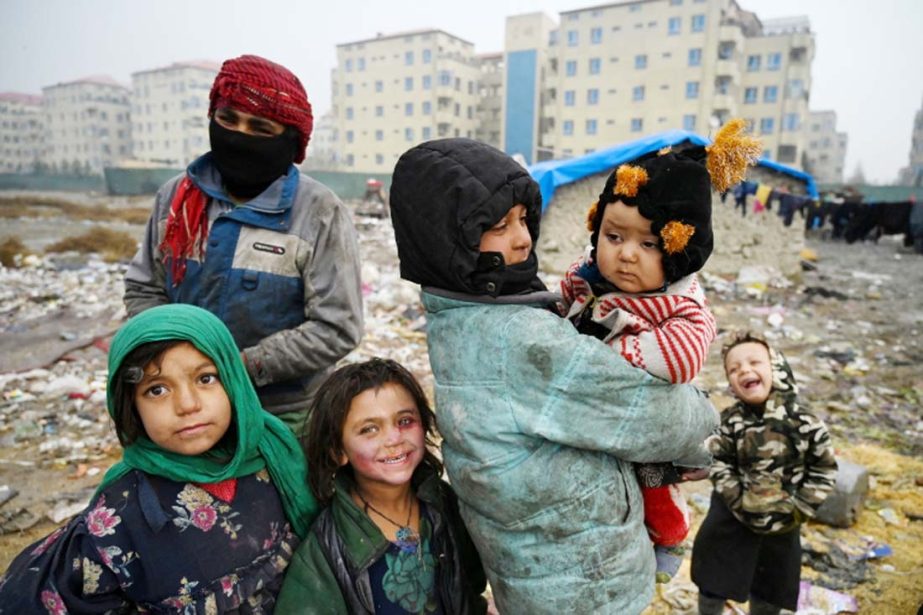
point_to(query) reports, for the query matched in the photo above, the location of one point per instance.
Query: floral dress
(153, 545)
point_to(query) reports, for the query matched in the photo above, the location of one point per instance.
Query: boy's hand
(694, 474)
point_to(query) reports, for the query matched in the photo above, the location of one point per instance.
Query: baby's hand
(694, 474)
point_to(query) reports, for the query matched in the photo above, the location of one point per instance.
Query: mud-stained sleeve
(573, 389)
(145, 279)
(819, 467)
(724, 473)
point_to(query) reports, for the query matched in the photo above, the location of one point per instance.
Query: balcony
(725, 103)
(732, 34)
(729, 69)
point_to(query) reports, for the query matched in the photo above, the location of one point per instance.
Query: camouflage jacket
(774, 465)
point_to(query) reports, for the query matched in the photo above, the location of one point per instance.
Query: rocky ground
(850, 325)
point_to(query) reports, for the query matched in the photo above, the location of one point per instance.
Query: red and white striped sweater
(666, 334)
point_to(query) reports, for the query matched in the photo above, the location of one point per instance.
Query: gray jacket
(281, 271)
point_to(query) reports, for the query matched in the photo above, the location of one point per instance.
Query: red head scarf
(255, 85)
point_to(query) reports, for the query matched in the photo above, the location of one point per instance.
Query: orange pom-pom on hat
(675, 236)
(730, 154)
(629, 179)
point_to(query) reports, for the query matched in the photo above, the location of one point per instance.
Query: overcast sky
(868, 66)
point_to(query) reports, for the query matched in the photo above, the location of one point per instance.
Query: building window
(692, 89)
(695, 57)
(676, 2)
(408, 58)
(427, 56)
(349, 136)
(349, 65)
(592, 96)
(349, 160)
(750, 95)
(379, 159)
(637, 92)
(427, 82)
(572, 38)
(349, 113)
(788, 153)
(379, 135)
(767, 125)
(791, 123)
(569, 98)
(408, 109)
(379, 111)
(445, 77)
(591, 127)
(567, 126)
(641, 61)
(408, 84)
(673, 25)
(774, 61)
(753, 63)
(689, 122)
(596, 36)
(426, 133)
(408, 134)
(795, 88)
(770, 93)
(427, 107)
(637, 124)
(595, 65)
(570, 68)
(379, 86)
(360, 64)
(349, 89)
(698, 23)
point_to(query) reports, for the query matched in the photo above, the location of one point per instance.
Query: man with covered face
(245, 235)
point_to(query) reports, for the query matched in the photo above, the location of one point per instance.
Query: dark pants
(731, 561)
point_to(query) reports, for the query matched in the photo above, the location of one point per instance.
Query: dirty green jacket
(329, 571)
(540, 427)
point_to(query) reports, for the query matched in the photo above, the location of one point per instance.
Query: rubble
(850, 328)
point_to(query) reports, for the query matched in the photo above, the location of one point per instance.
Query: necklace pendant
(407, 539)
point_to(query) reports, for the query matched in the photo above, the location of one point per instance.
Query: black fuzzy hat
(672, 189)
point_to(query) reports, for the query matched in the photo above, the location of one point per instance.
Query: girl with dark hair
(390, 539)
(208, 503)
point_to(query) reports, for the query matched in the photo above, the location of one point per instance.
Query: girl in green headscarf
(208, 503)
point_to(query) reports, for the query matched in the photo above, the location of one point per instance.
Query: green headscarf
(263, 440)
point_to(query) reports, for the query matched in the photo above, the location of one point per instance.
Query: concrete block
(845, 502)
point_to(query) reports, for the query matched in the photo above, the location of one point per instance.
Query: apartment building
(169, 107)
(528, 86)
(912, 174)
(489, 110)
(826, 148)
(323, 149)
(394, 91)
(21, 132)
(87, 125)
(619, 71)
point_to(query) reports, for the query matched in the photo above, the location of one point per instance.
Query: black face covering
(248, 163)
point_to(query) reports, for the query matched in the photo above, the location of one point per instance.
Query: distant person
(541, 425)
(773, 468)
(390, 539)
(636, 289)
(208, 503)
(246, 236)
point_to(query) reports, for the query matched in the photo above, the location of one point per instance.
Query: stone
(845, 502)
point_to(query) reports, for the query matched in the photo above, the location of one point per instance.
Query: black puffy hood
(444, 195)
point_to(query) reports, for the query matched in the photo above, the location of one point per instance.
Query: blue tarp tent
(552, 174)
